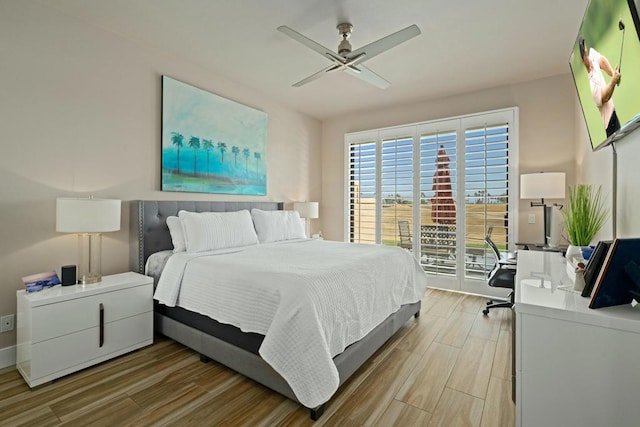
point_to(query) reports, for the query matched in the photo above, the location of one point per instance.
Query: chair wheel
(485, 311)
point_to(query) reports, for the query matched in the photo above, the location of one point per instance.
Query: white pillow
(273, 226)
(177, 235)
(207, 231)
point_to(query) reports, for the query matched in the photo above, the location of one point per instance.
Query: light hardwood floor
(450, 367)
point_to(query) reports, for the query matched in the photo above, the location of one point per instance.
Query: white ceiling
(465, 45)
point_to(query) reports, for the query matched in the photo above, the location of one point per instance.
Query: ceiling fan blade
(369, 76)
(310, 43)
(385, 43)
(317, 75)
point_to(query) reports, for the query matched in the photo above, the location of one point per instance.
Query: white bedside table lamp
(88, 218)
(307, 210)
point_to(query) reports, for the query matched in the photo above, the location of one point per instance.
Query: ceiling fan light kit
(344, 48)
(351, 60)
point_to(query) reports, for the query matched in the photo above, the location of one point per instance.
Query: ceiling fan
(348, 60)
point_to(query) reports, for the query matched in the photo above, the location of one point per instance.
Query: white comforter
(309, 298)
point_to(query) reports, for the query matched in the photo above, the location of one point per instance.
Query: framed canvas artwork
(211, 144)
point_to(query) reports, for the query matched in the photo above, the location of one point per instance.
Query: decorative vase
(573, 252)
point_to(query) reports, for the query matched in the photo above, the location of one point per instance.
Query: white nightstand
(67, 328)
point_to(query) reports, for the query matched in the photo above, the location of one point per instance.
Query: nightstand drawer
(54, 320)
(53, 358)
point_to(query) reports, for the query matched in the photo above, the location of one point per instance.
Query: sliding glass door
(437, 189)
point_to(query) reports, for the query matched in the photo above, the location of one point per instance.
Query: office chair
(405, 235)
(502, 276)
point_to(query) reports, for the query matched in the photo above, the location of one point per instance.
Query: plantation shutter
(486, 190)
(362, 192)
(397, 187)
(438, 175)
(448, 183)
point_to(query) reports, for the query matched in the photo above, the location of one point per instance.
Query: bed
(228, 344)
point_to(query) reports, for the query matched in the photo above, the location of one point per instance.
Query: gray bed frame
(149, 234)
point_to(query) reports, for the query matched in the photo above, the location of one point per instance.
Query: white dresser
(67, 328)
(574, 366)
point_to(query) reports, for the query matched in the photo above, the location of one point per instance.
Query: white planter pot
(573, 252)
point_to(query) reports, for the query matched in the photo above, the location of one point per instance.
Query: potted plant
(584, 216)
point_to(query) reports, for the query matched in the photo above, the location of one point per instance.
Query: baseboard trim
(7, 356)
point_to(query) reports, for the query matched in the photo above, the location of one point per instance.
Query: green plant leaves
(585, 215)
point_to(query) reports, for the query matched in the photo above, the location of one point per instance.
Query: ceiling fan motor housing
(344, 48)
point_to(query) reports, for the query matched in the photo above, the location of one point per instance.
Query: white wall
(547, 136)
(629, 186)
(80, 111)
(594, 167)
(597, 168)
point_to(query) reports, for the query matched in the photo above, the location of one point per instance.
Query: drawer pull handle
(101, 325)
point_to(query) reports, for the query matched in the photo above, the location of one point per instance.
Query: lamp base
(89, 279)
(90, 265)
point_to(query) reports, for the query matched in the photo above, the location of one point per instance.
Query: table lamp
(88, 218)
(307, 210)
(543, 185)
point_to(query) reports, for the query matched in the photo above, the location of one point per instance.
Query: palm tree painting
(222, 147)
(177, 139)
(194, 142)
(207, 145)
(257, 156)
(235, 150)
(246, 153)
(205, 117)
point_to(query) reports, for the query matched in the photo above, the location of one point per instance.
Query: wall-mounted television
(608, 41)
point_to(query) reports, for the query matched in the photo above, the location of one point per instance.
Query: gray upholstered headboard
(148, 223)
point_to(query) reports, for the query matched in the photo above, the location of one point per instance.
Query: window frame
(459, 124)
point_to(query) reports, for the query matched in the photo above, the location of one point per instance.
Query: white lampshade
(543, 185)
(75, 215)
(88, 217)
(309, 210)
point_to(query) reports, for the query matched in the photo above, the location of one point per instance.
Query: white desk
(574, 366)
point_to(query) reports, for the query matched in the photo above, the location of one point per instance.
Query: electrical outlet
(532, 218)
(7, 323)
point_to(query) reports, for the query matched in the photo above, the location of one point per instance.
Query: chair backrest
(493, 246)
(495, 250)
(500, 276)
(404, 231)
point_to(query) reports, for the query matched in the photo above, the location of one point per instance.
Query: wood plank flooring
(450, 367)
